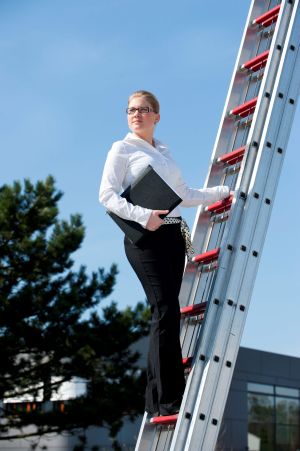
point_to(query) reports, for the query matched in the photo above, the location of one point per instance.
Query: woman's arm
(205, 196)
(192, 197)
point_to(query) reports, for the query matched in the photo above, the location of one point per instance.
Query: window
(273, 418)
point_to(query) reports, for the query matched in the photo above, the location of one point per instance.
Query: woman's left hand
(155, 221)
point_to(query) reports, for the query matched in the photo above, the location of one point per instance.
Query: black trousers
(159, 264)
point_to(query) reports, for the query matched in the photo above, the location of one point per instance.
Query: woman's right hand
(155, 221)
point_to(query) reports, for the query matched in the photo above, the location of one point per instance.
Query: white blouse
(127, 159)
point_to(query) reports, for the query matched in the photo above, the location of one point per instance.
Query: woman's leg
(159, 266)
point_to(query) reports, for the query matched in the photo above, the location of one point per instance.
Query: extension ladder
(228, 236)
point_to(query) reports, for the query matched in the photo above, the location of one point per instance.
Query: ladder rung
(207, 257)
(256, 63)
(220, 206)
(164, 419)
(267, 18)
(245, 109)
(193, 310)
(232, 157)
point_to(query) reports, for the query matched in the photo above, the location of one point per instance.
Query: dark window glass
(261, 436)
(287, 411)
(260, 408)
(287, 438)
(274, 418)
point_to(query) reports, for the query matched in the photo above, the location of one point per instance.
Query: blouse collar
(132, 137)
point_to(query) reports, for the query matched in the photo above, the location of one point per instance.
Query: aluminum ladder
(228, 236)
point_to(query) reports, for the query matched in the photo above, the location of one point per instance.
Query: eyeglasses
(141, 110)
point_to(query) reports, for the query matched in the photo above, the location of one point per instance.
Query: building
(262, 411)
(263, 407)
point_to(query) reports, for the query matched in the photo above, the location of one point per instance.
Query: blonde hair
(148, 96)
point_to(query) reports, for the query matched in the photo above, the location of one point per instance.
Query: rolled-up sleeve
(111, 184)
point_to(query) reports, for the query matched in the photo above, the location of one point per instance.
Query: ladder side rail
(208, 330)
(220, 373)
(203, 338)
(286, 130)
(271, 71)
(233, 98)
(193, 272)
(199, 233)
(235, 95)
(165, 437)
(199, 230)
(203, 347)
(257, 244)
(151, 438)
(215, 360)
(196, 276)
(236, 332)
(220, 368)
(255, 131)
(191, 331)
(273, 68)
(211, 318)
(199, 212)
(146, 435)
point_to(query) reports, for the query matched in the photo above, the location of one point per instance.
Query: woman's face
(142, 124)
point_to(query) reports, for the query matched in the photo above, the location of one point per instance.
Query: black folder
(149, 190)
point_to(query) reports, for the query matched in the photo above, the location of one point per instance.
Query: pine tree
(51, 330)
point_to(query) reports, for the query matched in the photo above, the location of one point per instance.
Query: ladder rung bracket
(247, 112)
(193, 310)
(268, 17)
(233, 157)
(220, 206)
(187, 361)
(164, 420)
(245, 109)
(256, 63)
(269, 22)
(259, 66)
(207, 257)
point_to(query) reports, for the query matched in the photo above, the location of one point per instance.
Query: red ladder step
(245, 109)
(164, 419)
(207, 257)
(220, 206)
(193, 310)
(267, 18)
(256, 63)
(232, 157)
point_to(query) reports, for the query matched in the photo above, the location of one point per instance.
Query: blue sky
(67, 68)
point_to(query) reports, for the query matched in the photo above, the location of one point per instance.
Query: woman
(159, 260)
